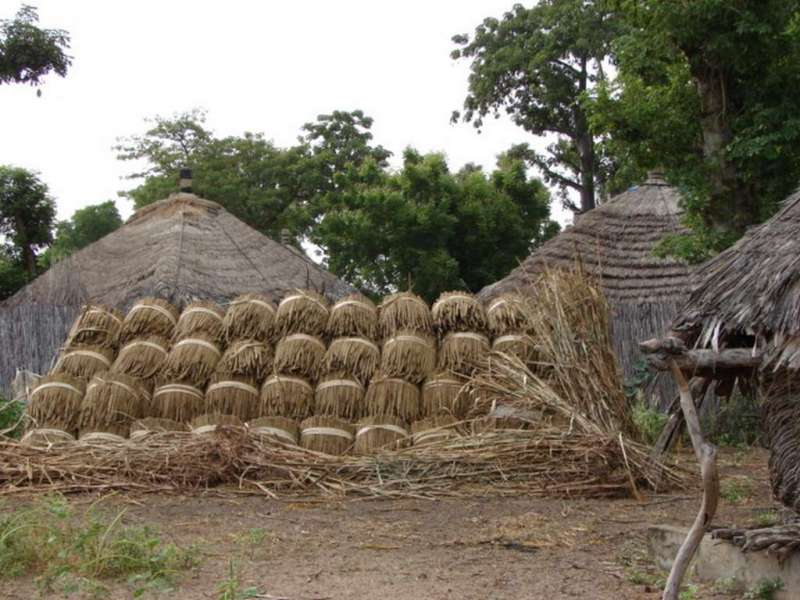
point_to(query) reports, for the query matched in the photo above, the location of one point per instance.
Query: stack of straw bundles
(302, 311)
(233, 395)
(433, 429)
(149, 316)
(508, 313)
(55, 402)
(178, 401)
(97, 325)
(286, 396)
(208, 423)
(300, 355)
(357, 356)
(379, 433)
(143, 427)
(202, 317)
(142, 357)
(112, 402)
(516, 344)
(462, 352)
(326, 434)
(193, 359)
(393, 397)
(404, 311)
(279, 428)
(47, 438)
(250, 317)
(339, 395)
(353, 316)
(247, 358)
(444, 394)
(84, 361)
(408, 355)
(458, 311)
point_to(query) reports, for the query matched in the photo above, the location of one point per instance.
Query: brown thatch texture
(250, 316)
(408, 355)
(377, 433)
(55, 402)
(96, 325)
(193, 359)
(357, 356)
(302, 311)
(47, 438)
(280, 428)
(328, 435)
(178, 401)
(209, 422)
(201, 316)
(780, 397)
(444, 394)
(354, 315)
(393, 397)
(300, 355)
(458, 311)
(433, 429)
(232, 395)
(517, 344)
(286, 396)
(404, 311)
(339, 395)
(491, 424)
(84, 361)
(150, 316)
(143, 427)
(142, 357)
(461, 351)
(508, 313)
(248, 358)
(112, 402)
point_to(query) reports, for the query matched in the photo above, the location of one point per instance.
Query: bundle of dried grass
(329, 435)
(302, 311)
(193, 359)
(250, 317)
(112, 402)
(203, 317)
(233, 395)
(433, 429)
(493, 424)
(149, 316)
(408, 355)
(509, 313)
(247, 358)
(516, 344)
(404, 311)
(280, 428)
(46, 438)
(143, 427)
(285, 396)
(339, 395)
(393, 397)
(209, 422)
(178, 401)
(458, 311)
(84, 361)
(142, 357)
(357, 356)
(55, 402)
(97, 325)
(377, 433)
(299, 354)
(444, 394)
(461, 352)
(104, 439)
(353, 316)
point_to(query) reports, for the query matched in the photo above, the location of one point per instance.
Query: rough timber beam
(702, 363)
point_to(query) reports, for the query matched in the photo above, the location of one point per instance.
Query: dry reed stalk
(461, 351)
(247, 358)
(55, 402)
(142, 357)
(339, 395)
(357, 356)
(393, 397)
(280, 428)
(233, 395)
(404, 311)
(300, 355)
(110, 436)
(84, 361)
(444, 394)
(146, 426)
(97, 325)
(193, 359)
(149, 316)
(112, 402)
(250, 317)
(408, 355)
(517, 344)
(491, 424)
(284, 396)
(329, 435)
(508, 314)
(209, 422)
(353, 316)
(458, 311)
(302, 311)
(48, 438)
(433, 429)
(379, 433)
(178, 401)
(200, 317)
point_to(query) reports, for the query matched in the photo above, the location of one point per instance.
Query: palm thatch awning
(180, 249)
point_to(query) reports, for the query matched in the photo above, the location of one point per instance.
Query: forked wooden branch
(706, 456)
(701, 362)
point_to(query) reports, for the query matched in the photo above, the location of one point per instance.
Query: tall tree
(537, 65)
(86, 226)
(27, 52)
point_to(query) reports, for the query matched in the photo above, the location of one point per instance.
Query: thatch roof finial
(185, 181)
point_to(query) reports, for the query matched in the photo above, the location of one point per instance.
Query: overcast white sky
(266, 66)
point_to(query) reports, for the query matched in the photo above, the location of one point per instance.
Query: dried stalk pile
(202, 317)
(149, 316)
(84, 361)
(458, 311)
(353, 316)
(233, 395)
(142, 357)
(193, 359)
(300, 355)
(462, 351)
(394, 397)
(286, 396)
(279, 428)
(356, 356)
(404, 311)
(302, 311)
(55, 402)
(507, 314)
(97, 325)
(327, 435)
(250, 316)
(178, 401)
(375, 434)
(433, 429)
(112, 402)
(247, 358)
(444, 394)
(209, 422)
(408, 355)
(146, 426)
(516, 344)
(339, 395)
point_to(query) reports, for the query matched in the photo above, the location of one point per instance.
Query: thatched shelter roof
(181, 249)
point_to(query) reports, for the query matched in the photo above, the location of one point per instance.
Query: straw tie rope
(147, 344)
(357, 340)
(101, 436)
(199, 342)
(339, 383)
(96, 355)
(407, 338)
(328, 431)
(140, 433)
(387, 427)
(429, 434)
(409, 299)
(177, 387)
(159, 309)
(47, 432)
(470, 336)
(440, 383)
(451, 299)
(294, 297)
(100, 311)
(55, 384)
(204, 429)
(497, 304)
(201, 309)
(284, 379)
(277, 432)
(307, 338)
(266, 305)
(247, 346)
(124, 386)
(396, 380)
(339, 305)
(232, 384)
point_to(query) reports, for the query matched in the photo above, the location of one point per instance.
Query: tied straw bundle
(208, 423)
(377, 433)
(46, 438)
(299, 354)
(458, 311)
(97, 325)
(357, 356)
(443, 394)
(516, 344)
(247, 358)
(193, 359)
(433, 429)
(143, 427)
(178, 401)
(408, 355)
(149, 316)
(353, 316)
(112, 402)
(287, 397)
(302, 311)
(491, 423)
(339, 395)
(200, 317)
(142, 357)
(279, 428)
(507, 314)
(55, 402)
(404, 311)
(328, 435)
(393, 397)
(462, 351)
(84, 361)
(233, 395)
(250, 317)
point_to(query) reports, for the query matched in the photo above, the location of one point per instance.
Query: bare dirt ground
(477, 548)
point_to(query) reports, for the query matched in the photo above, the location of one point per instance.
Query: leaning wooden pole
(707, 457)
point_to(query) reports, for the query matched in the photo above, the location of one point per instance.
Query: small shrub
(734, 491)
(767, 518)
(764, 590)
(648, 421)
(230, 588)
(12, 413)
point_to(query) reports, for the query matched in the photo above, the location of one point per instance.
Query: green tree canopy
(27, 52)
(87, 225)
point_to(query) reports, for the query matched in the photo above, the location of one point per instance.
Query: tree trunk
(29, 260)
(584, 144)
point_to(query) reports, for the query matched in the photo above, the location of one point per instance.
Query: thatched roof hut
(180, 249)
(615, 242)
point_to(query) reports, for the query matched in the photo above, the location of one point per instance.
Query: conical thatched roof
(180, 249)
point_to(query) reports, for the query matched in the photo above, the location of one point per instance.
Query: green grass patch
(11, 417)
(648, 421)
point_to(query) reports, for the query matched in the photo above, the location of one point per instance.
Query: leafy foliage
(27, 52)
(87, 225)
(12, 413)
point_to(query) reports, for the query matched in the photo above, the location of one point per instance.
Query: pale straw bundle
(353, 316)
(200, 316)
(286, 396)
(233, 395)
(377, 433)
(509, 313)
(357, 356)
(339, 395)
(279, 428)
(47, 438)
(112, 402)
(149, 316)
(393, 397)
(404, 311)
(193, 359)
(458, 311)
(250, 317)
(299, 354)
(328, 435)
(247, 358)
(142, 357)
(178, 401)
(142, 427)
(109, 436)
(302, 311)
(97, 325)
(518, 345)
(84, 361)
(408, 355)
(55, 402)
(462, 352)
(445, 394)
(433, 429)
(208, 423)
